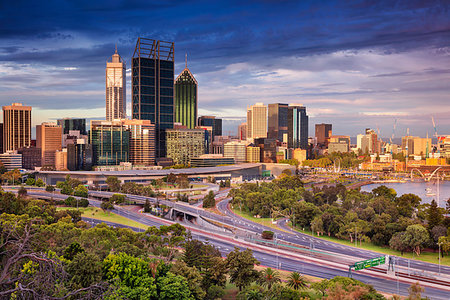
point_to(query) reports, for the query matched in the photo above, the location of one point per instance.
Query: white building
(236, 150)
(116, 88)
(257, 121)
(11, 160)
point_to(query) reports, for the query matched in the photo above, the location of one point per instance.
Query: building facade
(277, 121)
(16, 127)
(257, 121)
(49, 139)
(71, 124)
(186, 96)
(79, 156)
(11, 160)
(213, 122)
(31, 157)
(242, 131)
(110, 142)
(116, 85)
(323, 133)
(152, 87)
(297, 127)
(142, 141)
(61, 160)
(253, 154)
(339, 143)
(236, 150)
(185, 144)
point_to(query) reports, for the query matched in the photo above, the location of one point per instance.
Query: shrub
(50, 188)
(267, 234)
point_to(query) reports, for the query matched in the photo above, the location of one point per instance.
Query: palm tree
(270, 277)
(297, 281)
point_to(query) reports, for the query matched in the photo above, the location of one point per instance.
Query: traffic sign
(369, 263)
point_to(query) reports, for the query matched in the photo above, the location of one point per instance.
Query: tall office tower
(116, 85)
(16, 127)
(152, 87)
(186, 99)
(185, 144)
(142, 141)
(257, 121)
(277, 121)
(297, 127)
(242, 131)
(110, 143)
(49, 139)
(69, 124)
(213, 122)
(323, 134)
(1, 138)
(79, 156)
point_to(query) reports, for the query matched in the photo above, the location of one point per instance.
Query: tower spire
(185, 60)
(116, 49)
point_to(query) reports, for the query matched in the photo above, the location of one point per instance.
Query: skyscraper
(49, 139)
(323, 134)
(185, 144)
(257, 121)
(214, 123)
(142, 141)
(116, 102)
(277, 121)
(152, 87)
(110, 142)
(297, 127)
(16, 126)
(186, 99)
(242, 131)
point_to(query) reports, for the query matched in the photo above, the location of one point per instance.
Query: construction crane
(436, 135)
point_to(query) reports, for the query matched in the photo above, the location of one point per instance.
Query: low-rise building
(339, 143)
(211, 160)
(11, 160)
(253, 154)
(235, 150)
(185, 144)
(61, 160)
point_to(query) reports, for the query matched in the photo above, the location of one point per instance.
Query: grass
(99, 214)
(431, 257)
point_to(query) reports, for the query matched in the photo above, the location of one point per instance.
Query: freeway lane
(288, 264)
(320, 244)
(271, 256)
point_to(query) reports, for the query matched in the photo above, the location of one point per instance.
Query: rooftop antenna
(185, 59)
(116, 49)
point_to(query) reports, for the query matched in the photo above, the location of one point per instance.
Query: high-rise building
(368, 142)
(323, 133)
(152, 87)
(185, 144)
(16, 126)
(49, 139)
(1, 138)
(110, 142)
(257, 121)
(79, 156)
(186, 99)
(213, 122)
(277, 121)
(236, 150)
(116, 85)
(242, 131)
(11, 160)
(253, 154)
(61, 160)
(70, 124)
(31, 157)
(297, 127)
(142, 141)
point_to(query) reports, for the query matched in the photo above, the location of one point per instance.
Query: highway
(269, 257)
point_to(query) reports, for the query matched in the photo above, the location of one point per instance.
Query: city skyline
(375, 63)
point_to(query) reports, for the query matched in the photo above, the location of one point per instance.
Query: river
(418, 188)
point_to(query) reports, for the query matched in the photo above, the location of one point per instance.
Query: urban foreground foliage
(380, 217)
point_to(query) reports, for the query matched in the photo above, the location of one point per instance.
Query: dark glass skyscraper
(152, 87)
(277, 121)
(186, 99)
(297, 127)
(212, 121)
(73, 124)
(110, 142)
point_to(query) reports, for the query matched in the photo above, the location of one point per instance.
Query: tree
(397, 242)
(193, 276)
(30, 181)
(106, 205)
(415, 291)
(39, 182)
(113, 183)
(241, 267)
(406, 204)
(50, 188)
(22, 192)
(147, 206)
(72, 250)
(270, 277)
(117, 199)
(81, 191)
(209, 200)
(321, 286)
(165, 240)
(85, 269)
(415, 237)
(12, 177)
(66, 189)
(435, 216)
(297, 281)
(174, 287)
(384, 191)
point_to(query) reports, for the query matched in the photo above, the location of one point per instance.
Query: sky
(354, 64)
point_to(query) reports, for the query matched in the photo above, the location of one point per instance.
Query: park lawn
(99, 214)
(431, 257)
(263, 221)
